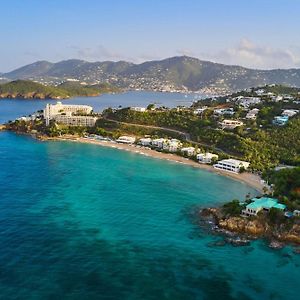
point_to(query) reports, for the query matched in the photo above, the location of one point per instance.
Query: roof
(235, 162)
(265, 202)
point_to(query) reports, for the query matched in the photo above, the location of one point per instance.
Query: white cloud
(248, 54)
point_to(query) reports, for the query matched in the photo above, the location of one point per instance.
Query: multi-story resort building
(232, 165)
(67, 114)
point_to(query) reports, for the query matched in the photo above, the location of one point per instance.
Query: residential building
(230, 124)
(232, 165)
(158, 143)
(252, 114)
(248, 101)
(189, 151)
(260, 92)
(137, 108)
(259, 204)
(126, 139)
(172, 145)
(53, 110)
(145, 141)
(290, 112)
(224, 111)
(280, 120)
(207, 158)
(296, 213)
(199, 111)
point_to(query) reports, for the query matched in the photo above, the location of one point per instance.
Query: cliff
(255, 226)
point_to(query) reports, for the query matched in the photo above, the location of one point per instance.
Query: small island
(25, 89)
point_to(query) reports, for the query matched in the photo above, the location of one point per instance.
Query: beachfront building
(189, 151)
(232, 165)
(252, 114)
(207, 158)
(260, 204)
(158, 143)
(230, 124)
(172, 145)
(145, 141)
(54, 111)
(126, 139)
(137, 108)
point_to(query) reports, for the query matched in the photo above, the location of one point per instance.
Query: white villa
(137, 108)
(199, 111)
(251, 115)
(231, 165)
(126, 139)
(248, 101)
(230, 124)
(290, 112)
(189, 151)
(158, 143)
(145, 141)
(224, 111)
(172, 145)
(206, 158)
(64, 114)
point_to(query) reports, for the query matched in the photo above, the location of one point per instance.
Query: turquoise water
(80, 221)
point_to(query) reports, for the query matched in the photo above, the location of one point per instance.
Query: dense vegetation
(33, 90)
(263, 146)
(286, 184)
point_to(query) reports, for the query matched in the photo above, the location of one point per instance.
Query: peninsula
(25, 89)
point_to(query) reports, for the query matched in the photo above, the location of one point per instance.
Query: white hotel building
(231, 165)
(64, 114)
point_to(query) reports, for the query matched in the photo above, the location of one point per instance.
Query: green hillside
(31, 90)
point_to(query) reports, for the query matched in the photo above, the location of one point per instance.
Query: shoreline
(250, 179)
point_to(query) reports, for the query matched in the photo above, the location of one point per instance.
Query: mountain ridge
(181, 73)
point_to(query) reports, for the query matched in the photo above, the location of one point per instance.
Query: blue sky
(256, 33)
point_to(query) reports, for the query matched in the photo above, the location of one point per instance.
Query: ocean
(80, 221)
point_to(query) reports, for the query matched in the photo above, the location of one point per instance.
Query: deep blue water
(13, 108)
(80, 221)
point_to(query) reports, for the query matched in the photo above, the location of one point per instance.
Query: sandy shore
(247, 178)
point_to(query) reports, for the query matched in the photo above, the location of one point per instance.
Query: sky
(261, 34)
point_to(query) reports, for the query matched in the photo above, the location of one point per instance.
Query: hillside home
(230, 124)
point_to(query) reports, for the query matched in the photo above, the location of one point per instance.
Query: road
(186, 135)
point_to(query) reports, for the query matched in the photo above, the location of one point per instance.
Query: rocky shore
(250, 228)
